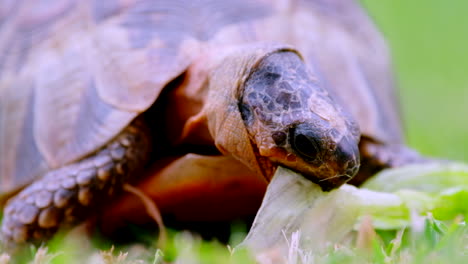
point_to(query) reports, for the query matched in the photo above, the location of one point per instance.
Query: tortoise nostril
(305, 142)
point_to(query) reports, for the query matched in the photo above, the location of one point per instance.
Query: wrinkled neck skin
(267, 94)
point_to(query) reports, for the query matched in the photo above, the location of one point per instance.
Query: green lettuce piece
(451, 203)
(428, 177)
(392, 198)
(440, 188)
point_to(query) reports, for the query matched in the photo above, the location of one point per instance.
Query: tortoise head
(292, 121)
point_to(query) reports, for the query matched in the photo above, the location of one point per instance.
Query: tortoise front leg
(376, 157)
(67, 195)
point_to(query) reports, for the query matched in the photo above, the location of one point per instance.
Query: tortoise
(93, 94)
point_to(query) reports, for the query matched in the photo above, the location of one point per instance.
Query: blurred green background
(429, 42)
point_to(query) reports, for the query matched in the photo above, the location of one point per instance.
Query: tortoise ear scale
(279, 137)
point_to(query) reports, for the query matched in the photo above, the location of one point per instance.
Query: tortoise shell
(75, 73)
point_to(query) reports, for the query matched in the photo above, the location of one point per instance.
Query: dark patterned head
(293, 121)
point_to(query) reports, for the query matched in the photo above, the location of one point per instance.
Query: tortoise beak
(347, 156)
(344, 164)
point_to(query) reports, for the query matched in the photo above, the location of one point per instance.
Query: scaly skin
(67, 195)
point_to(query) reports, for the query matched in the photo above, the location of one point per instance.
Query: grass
(436, 242)
(429, 40)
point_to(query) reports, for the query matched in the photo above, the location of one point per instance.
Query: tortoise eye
(304, 142)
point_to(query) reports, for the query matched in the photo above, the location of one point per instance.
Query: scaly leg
(67, 195)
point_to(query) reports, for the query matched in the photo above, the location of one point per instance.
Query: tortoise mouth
(329, 183)
(327, 163)
(324, 176)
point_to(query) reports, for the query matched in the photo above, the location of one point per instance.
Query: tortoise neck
(185, 102)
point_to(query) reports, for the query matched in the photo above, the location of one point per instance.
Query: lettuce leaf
(393, 199)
